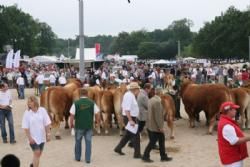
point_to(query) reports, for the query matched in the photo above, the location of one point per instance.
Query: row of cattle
(196, 98)
(58, 100)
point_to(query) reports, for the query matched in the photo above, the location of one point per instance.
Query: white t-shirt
(5, 98)
(62, 80)
(130, 104)
(73, 108)
(40, 79)
(52, 78)
(20, 81)
(36, 122)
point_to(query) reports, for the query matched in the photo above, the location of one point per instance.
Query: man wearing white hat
(130, 112)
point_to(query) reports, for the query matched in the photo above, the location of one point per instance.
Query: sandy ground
(190, 148)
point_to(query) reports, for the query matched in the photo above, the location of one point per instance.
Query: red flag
(97, 48)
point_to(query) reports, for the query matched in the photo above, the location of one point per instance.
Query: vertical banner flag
(17, 59)
(9, 59)
(97, 48)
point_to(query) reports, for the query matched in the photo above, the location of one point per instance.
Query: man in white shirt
(62, 80)
(39, 80)
(21, 85)
(130, 112)
(6, 113)
(52, 79)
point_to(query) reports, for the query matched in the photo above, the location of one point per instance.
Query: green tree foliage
(225, 37)
(23, 32)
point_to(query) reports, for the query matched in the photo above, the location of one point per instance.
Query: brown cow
(242, 98)
(169, 107)
(58, 100)
(206, 97)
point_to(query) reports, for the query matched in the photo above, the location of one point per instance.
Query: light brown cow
(206, 97)
(242, 98)
(169, 108)
(58, 100)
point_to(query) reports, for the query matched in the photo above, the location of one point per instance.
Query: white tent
(162, 62)
(129, 57)
(189, 58)
(44, 59)
(89, 54)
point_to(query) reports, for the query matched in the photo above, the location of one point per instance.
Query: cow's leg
(98, 125)
(120, 122)
(171, 127)
(117, 105)
(191, 117)
(66, 121)
(57, 131)
(106, 121)
(242, 118)
(211, 125)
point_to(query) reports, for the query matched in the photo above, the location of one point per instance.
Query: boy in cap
(231, 140)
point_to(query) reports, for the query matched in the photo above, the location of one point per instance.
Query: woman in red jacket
(231, 140)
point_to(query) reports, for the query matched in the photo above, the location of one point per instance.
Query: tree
(225, 37)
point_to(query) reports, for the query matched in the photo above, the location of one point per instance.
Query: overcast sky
(110, 17)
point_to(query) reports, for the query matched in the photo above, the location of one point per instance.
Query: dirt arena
(190, 148)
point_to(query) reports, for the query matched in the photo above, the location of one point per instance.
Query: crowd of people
(141, 104)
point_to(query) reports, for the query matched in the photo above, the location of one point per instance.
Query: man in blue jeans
(83, 111)
(6, 113)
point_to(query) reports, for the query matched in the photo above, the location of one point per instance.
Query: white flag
(9, 59)
(17, 59)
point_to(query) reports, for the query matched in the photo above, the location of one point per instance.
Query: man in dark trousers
(83, 111)
(155, 123)
(130, 112)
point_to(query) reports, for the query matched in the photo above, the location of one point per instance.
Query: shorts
(35, 146)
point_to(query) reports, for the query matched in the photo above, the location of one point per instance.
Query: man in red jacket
(231, 140)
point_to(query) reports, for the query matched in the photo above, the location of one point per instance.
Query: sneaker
(147, 160)
(119, 152)
(166, 159)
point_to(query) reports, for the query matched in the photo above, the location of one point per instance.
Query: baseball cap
(228, 105)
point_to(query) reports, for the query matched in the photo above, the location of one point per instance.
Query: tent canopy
(162, 62)
(189, 58)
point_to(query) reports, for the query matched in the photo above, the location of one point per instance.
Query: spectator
(83, 111)
(130, 112)
(36, 124)
(155, 123)
(10, 160)
(6, 113)
(231, 140)
(62, 80)
(20, 85)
